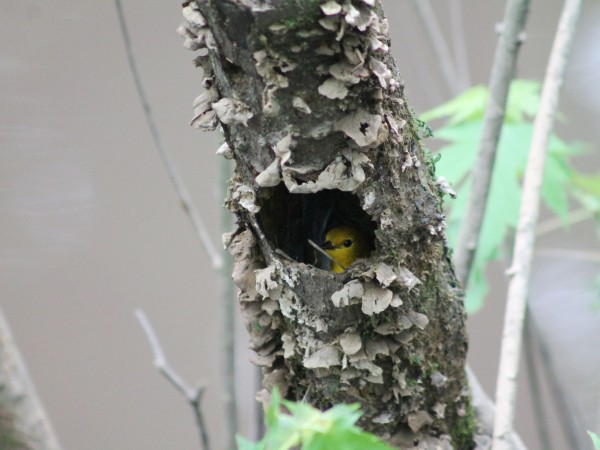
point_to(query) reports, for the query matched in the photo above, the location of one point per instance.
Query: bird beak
(327, 246)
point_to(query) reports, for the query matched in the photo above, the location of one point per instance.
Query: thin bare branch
(184, 195)
(228, 305)
(192, 396)
(569, 417)
(501, 76)
(259, 416)
(557, 223)
(438, 44)
(459, 44)
(23, 416)
(535, 390)
(325, 254)
(570, 253)
(321, 251)
(506, 386)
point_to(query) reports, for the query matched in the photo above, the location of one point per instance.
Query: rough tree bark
(24, 424)
(315, 117)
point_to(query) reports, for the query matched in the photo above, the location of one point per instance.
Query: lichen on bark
(315, 117)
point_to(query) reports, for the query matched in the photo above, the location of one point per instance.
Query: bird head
(344, 244)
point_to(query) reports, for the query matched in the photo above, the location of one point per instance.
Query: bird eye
(347, 242)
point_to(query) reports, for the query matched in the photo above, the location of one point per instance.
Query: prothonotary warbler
(345, 244)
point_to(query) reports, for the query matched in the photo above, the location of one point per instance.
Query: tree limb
(501, 76)
(218, 262)
(525, 237)
(315, 117)
(229, 309)
(569, 417)
(535, 389)
(486, 410)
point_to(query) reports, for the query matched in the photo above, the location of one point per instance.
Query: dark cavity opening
(290, 220)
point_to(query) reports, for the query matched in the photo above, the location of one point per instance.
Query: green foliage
(310, 429)
(463, 123)
(595, 440)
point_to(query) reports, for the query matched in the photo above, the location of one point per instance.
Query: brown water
(90, 227)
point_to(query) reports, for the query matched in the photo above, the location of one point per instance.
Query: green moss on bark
(464, 429)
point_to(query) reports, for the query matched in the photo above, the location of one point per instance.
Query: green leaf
(466, 107)
(245, 444)
(588, 183)
(523, 100)
(554, 187)
(457, 157)
(354, 439)
(344, 416)
(589, 202)
(312, 429)
(595, 440)
(478, 289)
(272, 412)
(461, 134)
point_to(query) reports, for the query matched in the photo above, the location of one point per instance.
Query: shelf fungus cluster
(314, 116)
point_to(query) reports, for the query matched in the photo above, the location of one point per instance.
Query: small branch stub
(192, 396)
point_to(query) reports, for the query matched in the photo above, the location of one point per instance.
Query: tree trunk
(316, 120)
(24, 424)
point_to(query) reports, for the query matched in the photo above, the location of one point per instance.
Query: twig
(459, 44)
(23, 416)
(501, 76)
(193, 396)
(259, 417)
(438, 43)
(433, 94)
(283, 254)
(506, 386)
(535, 390)
(184, 195)
(569, 418)
(557, 223)
(324, 253)
(569, 253)
(227, 300)
(321, 251)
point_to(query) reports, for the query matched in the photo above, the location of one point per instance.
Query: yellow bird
(345, 245)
